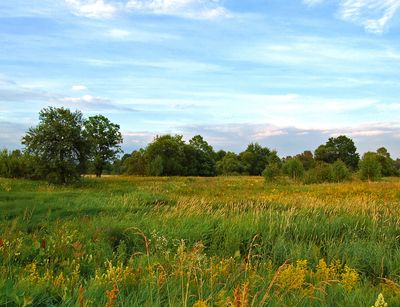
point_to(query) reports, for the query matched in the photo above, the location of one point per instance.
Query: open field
(225, 241)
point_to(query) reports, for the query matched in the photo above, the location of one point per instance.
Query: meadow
(175, 241)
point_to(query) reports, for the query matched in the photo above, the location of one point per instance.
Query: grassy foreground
(235, 241)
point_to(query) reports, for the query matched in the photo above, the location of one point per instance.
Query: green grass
(184, 241)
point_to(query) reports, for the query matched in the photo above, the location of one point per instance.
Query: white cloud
(84, 99)
(373, 15)
(194, 9)
(92, 8)
(312, 2)
(119, 33)
(78, 88)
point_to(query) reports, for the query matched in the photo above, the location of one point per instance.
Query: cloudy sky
(287, 74)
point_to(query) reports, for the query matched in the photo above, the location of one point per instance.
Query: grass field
(226, 241)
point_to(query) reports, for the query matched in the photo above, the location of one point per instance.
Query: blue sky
(287, 74)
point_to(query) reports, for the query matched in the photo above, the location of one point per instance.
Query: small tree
(294, 168)
(58, 144)
(321, 172)
(103, 138)
(230, 165)
(340, 172)
(156, 167)
(272, 172)
(370, 168)
(135, 164)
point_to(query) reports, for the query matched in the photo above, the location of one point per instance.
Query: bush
(271, 172)
(339, 171)
(322, 172)
(17, 165)
(370, 168)
(294, 168)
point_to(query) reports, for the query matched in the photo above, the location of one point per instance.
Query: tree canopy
(58, 143)
(103, 138)
(339, 148)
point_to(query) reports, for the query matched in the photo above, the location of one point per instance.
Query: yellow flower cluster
(293, 276)
(116, 274)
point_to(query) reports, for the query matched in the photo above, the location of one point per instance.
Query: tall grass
(235, 241)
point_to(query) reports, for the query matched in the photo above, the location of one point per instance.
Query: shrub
(322, 172)
(271, 172)
(294, 168)
(370, 168)
(339, 171)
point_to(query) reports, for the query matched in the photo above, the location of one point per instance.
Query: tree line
(335, 161)
(65, 145)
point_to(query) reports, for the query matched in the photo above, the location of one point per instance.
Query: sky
(288, 74)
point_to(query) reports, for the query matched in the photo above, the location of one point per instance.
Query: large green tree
(166, 156)
(255, 158)
(202, 157)
(339, 148)
(104, 139)
(230, 165)
(58, 144)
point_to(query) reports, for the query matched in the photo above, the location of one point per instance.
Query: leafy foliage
(103, 138)
(58, 143)
(339, 148)
(294, 168)
(340, 172)
(370, 168)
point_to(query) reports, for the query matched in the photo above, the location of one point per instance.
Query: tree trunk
(99, 171)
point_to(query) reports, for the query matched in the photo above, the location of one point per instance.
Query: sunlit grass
(226, 241)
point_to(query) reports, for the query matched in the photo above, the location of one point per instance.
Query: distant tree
(219, 155)
(203, 160)
(255, 158)
(342, 148)
(58, 144)
(15, 164)
(273, 158)
(397, 165)
(136, 163)
(230, 165)
(370, 168)
(156, 166)
(340, 172)
(307, 159)
(387, 163)
(103, 138)
(272, 172)
(294, 168)
(170, 154)
(321, 172)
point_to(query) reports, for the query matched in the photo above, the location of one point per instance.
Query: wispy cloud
(373, 15)
(11, 91)
(291, 140)
(92, 8)
(79, 88)
(312, 2)
(195, 9)
(192, 9)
